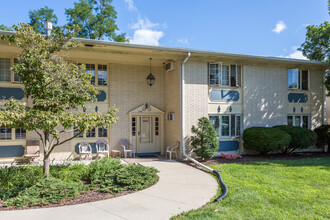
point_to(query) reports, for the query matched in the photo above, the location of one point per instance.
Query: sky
(256, 27)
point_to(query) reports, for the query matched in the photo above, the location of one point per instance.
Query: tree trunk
(46, 155)
(46, 166)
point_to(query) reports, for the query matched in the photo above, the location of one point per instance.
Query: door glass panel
(145, 124)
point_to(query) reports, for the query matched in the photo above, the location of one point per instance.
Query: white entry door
(148, 133)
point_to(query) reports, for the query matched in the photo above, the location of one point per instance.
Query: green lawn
(287, 189)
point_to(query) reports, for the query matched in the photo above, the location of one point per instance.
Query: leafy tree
(5, 28)
(57, 89)
(204, 142)
(317, 42)
(317, 45)
(96, 18)
(40, 16)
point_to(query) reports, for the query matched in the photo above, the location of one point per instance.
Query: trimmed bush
(204, 142)
(264, 140)
(301, 137)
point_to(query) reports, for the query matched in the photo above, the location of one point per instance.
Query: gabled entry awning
(147, 109)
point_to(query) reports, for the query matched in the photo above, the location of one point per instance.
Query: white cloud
(130, 5)
(296, 54)
(145, 32)
(148, 37)
(143, 24)
(183, 41)
(280, 26)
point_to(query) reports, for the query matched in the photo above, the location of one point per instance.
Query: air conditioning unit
(169, 66)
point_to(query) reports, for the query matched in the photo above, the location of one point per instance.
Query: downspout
(183, 141)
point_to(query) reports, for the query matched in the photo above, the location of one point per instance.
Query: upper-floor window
(16, 77)
(102, 75)
(225, 75)
(298, 79)
(4, 69)
(90, 68)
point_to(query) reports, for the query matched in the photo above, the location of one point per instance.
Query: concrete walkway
(180, 188)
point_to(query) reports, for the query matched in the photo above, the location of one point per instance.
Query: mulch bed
(91, 196)
(249, 158)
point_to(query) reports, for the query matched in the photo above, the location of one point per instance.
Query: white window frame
(230, 128)
(229, 74)
(301, 120)
(299, 79)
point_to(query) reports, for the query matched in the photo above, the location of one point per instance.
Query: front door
(148, 134)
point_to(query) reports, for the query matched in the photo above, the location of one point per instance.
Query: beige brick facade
(263, 96)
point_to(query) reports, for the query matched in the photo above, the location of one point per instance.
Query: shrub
(108, 175)
(70, 173)
(15, 179)
(323, 135)
(101, 168)
(136, 177)
(264, 140)
(301, 137)
(46, 191)
(204, 142)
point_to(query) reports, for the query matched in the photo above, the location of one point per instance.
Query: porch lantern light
(150, 78)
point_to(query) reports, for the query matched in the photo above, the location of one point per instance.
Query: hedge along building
(235, 91)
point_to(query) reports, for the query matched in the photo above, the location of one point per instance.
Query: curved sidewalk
(180, 188)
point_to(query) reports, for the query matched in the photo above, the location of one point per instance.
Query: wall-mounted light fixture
(150, 78)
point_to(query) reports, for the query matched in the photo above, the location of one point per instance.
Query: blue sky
(258, 27)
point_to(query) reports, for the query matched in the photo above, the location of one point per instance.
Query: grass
(286, 189)
(25, 186)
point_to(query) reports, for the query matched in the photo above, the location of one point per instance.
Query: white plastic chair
(86, 149)
(173, 149)
(102, 147)
(127, 147)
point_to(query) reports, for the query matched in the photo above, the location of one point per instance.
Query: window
(103, 132)
(102, 75)
(4, 69)
(90, 133)
(214, 74)
(20, 133)
(225, 75)
(5, 133)
(90, 68)
(16, 78)
(298, 79)
(133, 126)
(156, 126)
(298, 121)
(76, 131)
(226, 125)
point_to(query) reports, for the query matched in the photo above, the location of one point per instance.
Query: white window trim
(229, 74)
(230, 128)
(301, 120)
(299, 75)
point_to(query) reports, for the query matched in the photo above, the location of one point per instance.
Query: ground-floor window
(103, 132)
(299, 121)
(5, 133)
(226, 125)
(20, 133)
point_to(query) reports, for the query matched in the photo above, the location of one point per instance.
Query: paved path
(180, 188)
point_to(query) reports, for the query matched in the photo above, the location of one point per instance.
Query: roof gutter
(183, 140)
